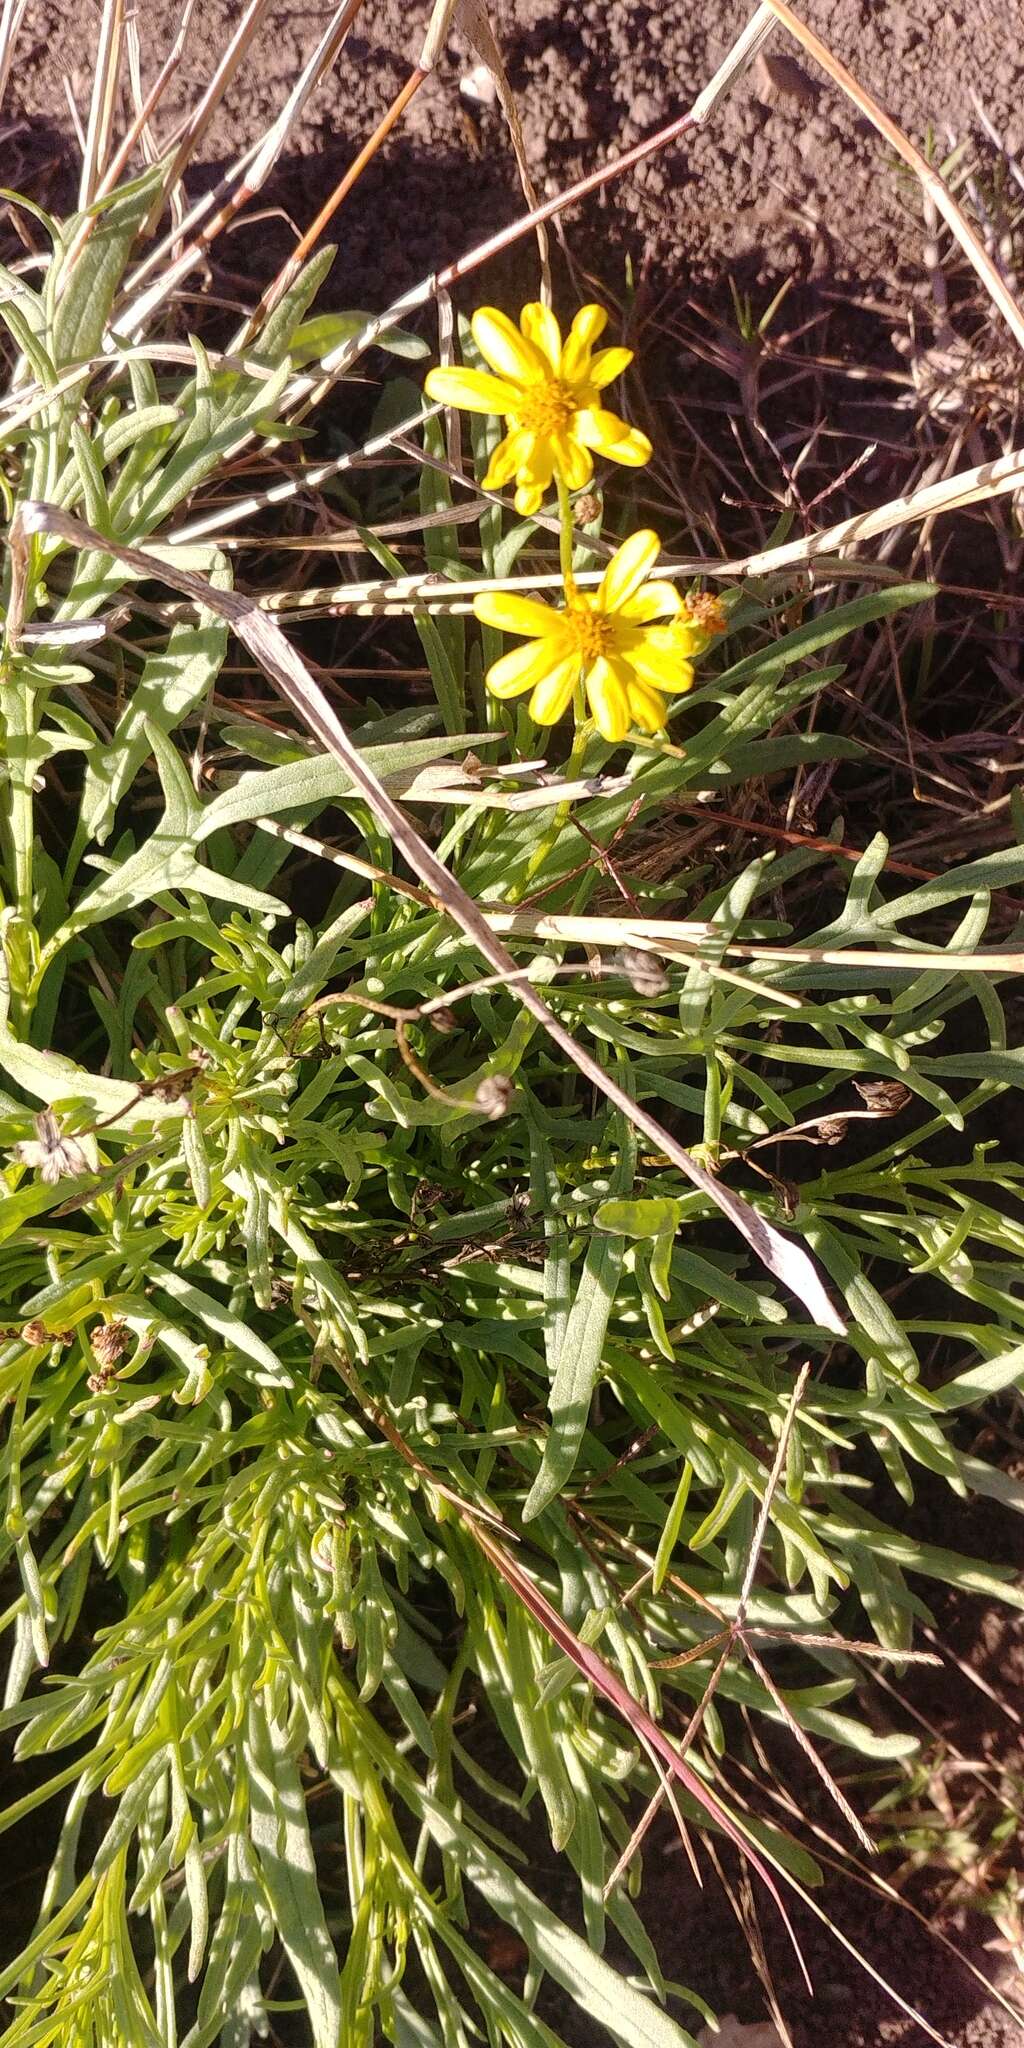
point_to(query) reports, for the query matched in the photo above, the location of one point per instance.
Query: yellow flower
(549, 391)
(611, 638)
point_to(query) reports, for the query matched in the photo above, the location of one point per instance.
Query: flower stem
(550, 840)
(565, 540)
(579, 746)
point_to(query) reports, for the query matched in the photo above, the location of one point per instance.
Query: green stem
(566, 537)
(566, 534)
(564, 811)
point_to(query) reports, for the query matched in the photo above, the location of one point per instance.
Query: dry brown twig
(669, 936)
(139, 130)
(474, 20)
(209, 100)
(106, 69)
(734, 1635)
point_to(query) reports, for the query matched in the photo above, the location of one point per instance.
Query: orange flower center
(544, 409)
(592, 632)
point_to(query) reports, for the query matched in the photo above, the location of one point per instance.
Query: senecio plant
(411, 1466)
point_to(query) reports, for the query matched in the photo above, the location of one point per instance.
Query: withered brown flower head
(494, 1095)
(706, 611)
(109, 1342)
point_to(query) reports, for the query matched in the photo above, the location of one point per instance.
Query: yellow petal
(472, 389)
(633, 450)
(513, 614)
(608, 364)
(504, 348)
(590, 321)
(611, 436)
(647, 708)
(508, 456)
(654, 600)
(679, 636)
(598, 428)
(573, 461)
(552, 697)
(533, 477)
(537, 461)
(540, 326)
(528, 499)
(607, 695)
(627, 569)
(664, 668)
(520, 669)
(684, 679)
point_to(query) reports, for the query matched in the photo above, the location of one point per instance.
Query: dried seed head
(494, 1095)
(109, 1342)
(53, 1155)
(587, 508)
(886, 1098)
(444, 1019)
(644, 970)
(36, 1333)
(832, 1130)
(706, 611)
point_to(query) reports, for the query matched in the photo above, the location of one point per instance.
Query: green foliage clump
(337, 1318)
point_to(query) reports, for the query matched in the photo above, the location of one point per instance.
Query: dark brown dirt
(786, 178)
(787, 181)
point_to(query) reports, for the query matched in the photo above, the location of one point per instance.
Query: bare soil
(787, 178)
(787, 182)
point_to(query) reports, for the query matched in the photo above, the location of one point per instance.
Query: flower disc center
(544, 408)
(591, 632)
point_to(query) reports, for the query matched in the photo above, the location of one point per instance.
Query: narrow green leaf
(280, 1834)
(609, 1999)
(173, 680)
(993, 1376)
(825, 628)
(85, 295)
(449, 684)
(579, 1361)
(673, 1523)
(639, 1217)
(310, 784)
(321, 335)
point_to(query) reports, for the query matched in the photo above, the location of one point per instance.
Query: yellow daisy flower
(612, 638)
(549, 391)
